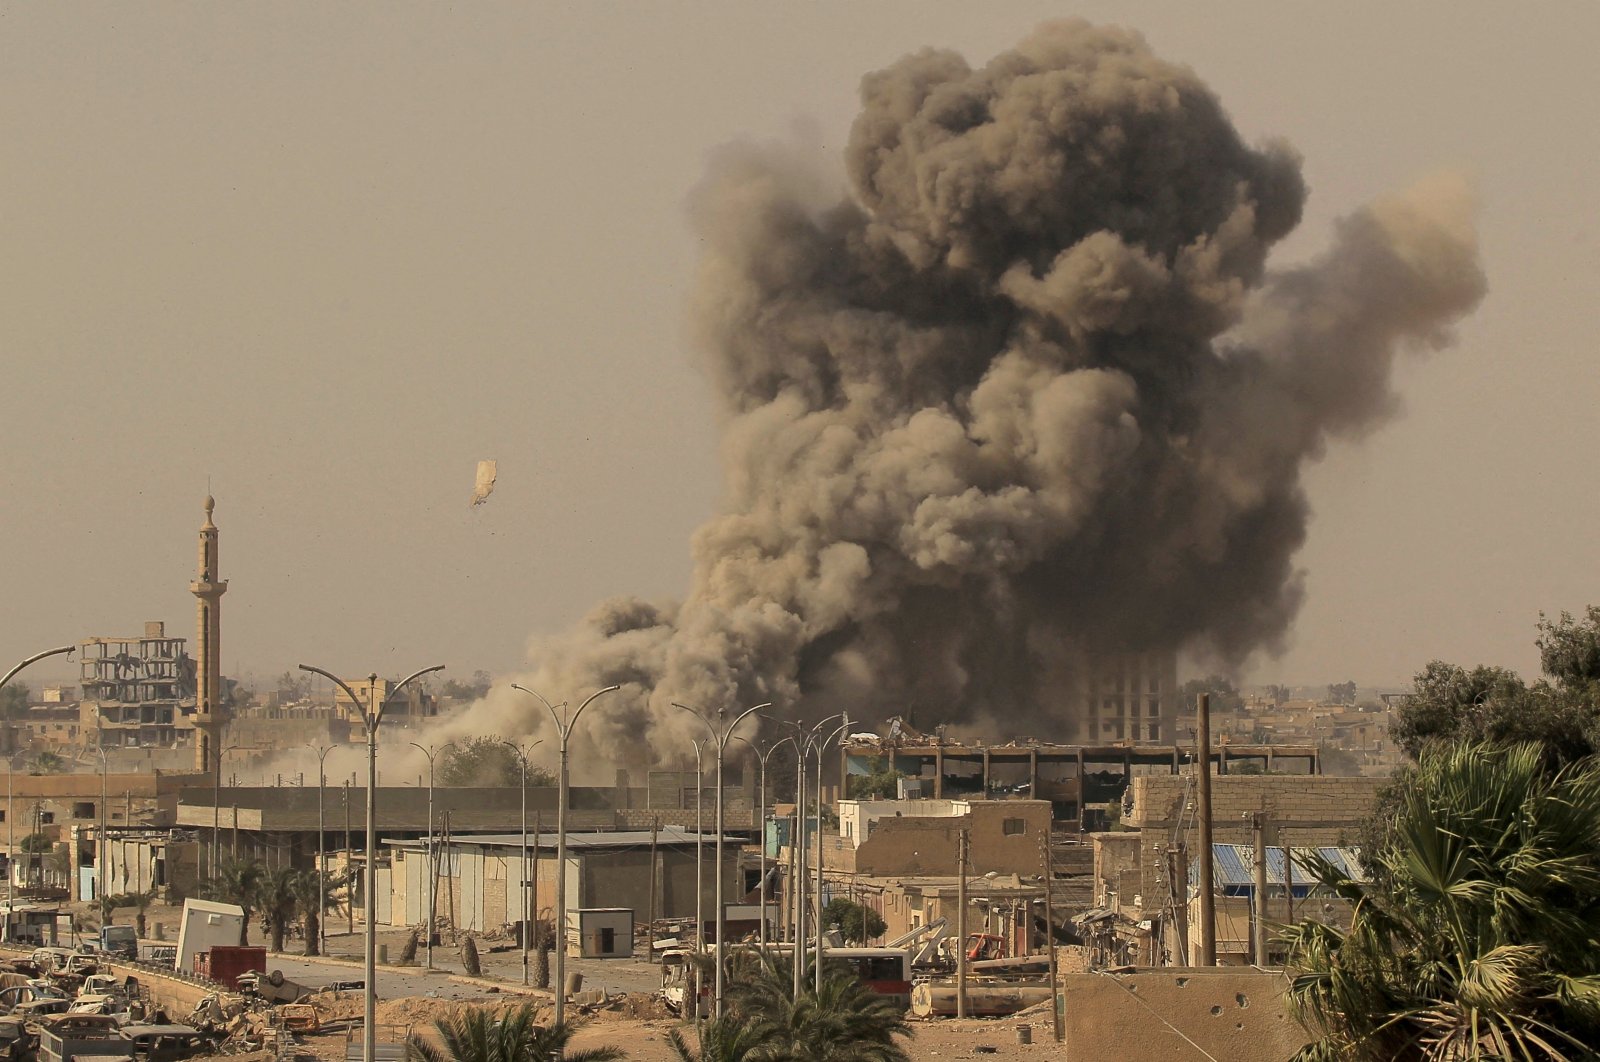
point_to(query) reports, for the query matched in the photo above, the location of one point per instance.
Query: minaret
(208, 591)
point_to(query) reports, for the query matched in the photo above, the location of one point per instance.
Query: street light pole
(564, 728)
(699, 857)
(761, 819)
(528, 917)
(322, 859)
(371, 716)
(427, 860)
(720, 738)
(11, 846)
(820, 926)
(802, 744)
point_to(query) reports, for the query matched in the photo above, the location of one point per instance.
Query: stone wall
(1154, 1014)
(1319, 809)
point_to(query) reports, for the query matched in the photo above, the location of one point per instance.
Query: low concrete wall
(1238, 1015)
(177, 995)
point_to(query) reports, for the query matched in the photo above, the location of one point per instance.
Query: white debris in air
(483, 485)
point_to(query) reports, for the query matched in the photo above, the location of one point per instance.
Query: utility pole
(1208, 901)
(655, 829)
(1178, 876)
(961, 924)
(1258, 909)
(1288, 876)
(1050, 936)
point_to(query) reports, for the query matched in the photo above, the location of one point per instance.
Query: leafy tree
(488, 762)
(844, 1023)
(476, 1034)
(475, 690)
(1560, 713)
(13, 700)
(1478, 941)
(47, 762)
(239, 882)
(116, 901)
(36, 843)
(1224, 695)
(294, 686)
(1569, 649)
(1278, 694)
(858, 924)
(880, 783)
(1342, 692)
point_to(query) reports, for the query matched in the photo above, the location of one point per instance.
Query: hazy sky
(326, 257)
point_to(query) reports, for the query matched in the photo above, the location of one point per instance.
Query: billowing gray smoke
(1027, 392)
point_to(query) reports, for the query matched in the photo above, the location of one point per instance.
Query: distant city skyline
(320, 264)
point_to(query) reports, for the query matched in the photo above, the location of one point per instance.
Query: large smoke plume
(1025, 392)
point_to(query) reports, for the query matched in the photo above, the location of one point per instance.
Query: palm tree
(1480, 941)
(729, 1039)
(237, 881)
(475, 1034)
(279, 901)
(311, 889)
(845, 1021)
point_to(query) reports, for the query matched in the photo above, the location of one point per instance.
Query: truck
(120, 941)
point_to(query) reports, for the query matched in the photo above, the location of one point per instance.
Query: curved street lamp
(841, 728)
(11, 842)
(802, 745)
(761, 818)
(371, 716)
(719, 737)
(322, 859)
(699, 860)
(427, 860)
(564, 728)
(530, 917)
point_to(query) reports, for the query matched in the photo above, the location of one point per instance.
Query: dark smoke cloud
(1026, 392)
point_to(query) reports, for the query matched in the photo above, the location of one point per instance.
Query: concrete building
(1144, 873)
(479, 883)
(1129, 697)
(1081, 782)
(280, 821)
(886, 838)
(137, 691)
(164, 861)
(62, 806)
(414, 705)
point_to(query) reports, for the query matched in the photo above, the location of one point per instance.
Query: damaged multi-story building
(138, 691)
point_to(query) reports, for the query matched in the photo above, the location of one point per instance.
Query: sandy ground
(645, 1038)
(636, 1024)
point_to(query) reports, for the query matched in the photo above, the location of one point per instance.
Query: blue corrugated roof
(1234, 866)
